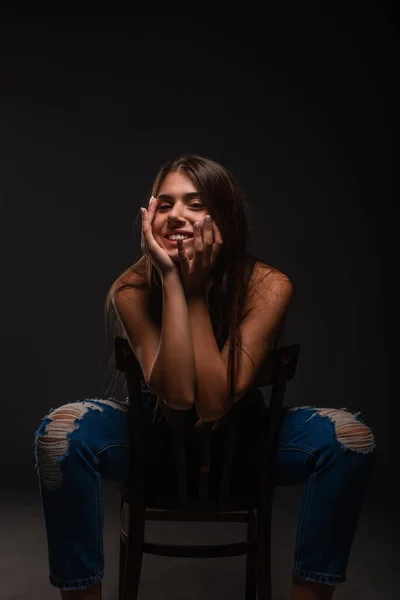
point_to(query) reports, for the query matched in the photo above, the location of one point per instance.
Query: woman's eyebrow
(187, 196)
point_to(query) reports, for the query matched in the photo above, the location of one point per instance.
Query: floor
(373, 572)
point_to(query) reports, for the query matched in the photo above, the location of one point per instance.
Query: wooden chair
(254, 509)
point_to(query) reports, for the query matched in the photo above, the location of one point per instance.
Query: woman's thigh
(308, 433)
(305, 434)
(91, 431)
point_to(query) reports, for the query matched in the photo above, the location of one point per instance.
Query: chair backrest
(278, 368)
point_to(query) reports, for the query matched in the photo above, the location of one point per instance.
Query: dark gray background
(299, 106)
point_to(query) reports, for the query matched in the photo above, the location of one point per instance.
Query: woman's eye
(194, 205)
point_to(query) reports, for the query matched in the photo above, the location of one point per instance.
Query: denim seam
(108, 445)
(99, 521)
(305, 515)
(305, 449)
(327, 578)
(88, 581)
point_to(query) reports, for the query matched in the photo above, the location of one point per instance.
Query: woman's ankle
(91, 593)
(310, 590)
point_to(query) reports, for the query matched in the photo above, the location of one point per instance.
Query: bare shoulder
(266, 283)
(263, 270)
(130, 280)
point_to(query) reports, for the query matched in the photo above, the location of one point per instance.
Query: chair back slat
(284, 359)
(279, 367)
(282, 369)
(126, 361)
(176, 419)
(234, 418)
(205, 462)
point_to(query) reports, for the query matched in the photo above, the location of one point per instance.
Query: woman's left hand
(195, 273)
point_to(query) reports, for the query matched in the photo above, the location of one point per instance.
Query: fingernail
(151, 200)
(207, 219)
(197, 225)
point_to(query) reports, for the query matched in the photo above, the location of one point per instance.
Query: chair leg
(122, 554)
(264, 554)
(122, 559)
(251, 559)
(134, 552)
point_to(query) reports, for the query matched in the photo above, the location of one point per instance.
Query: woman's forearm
(172, 375)
(212, 388)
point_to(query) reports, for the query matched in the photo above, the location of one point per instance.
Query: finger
(218, 243)
(144, 221)
(145, 218)
(148, 213)
(147, 233)
(217, 233)
(208, 238)
(183, 257)
(198, 245)
(152, 208)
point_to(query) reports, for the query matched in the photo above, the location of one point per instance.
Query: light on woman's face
(179, 206)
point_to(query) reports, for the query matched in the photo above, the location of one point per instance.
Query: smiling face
(179, 206)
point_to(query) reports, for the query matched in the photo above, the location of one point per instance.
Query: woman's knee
(351, 431)
(58, 430)
(52, 440)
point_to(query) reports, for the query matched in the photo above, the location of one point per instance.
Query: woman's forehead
(177, 184)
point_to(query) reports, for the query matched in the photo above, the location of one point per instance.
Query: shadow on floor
(372, 573)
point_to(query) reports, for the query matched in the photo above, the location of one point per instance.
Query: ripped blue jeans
(81, 443)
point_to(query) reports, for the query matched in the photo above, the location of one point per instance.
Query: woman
(206, 309)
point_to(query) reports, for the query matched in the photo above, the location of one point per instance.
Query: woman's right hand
(159, 257)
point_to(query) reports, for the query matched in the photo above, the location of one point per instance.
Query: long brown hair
(226, 202)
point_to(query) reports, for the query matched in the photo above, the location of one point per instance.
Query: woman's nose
(175, 216)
